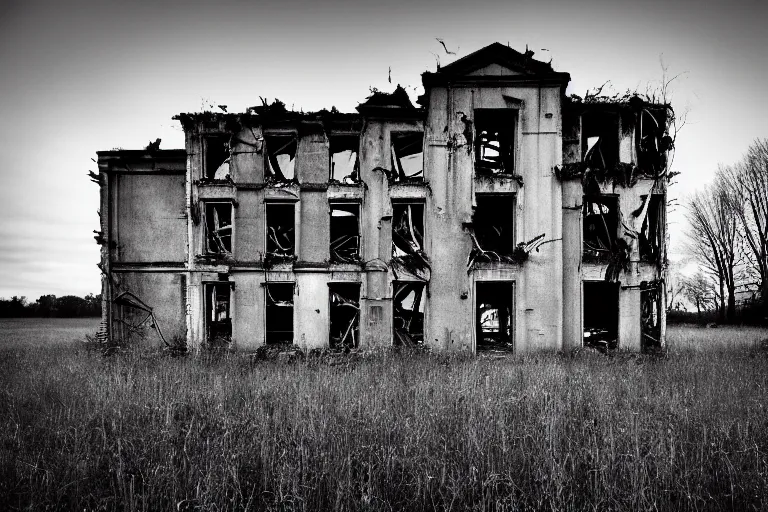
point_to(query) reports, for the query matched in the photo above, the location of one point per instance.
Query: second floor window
(281, 239)
(601, 220)
(218, 228)
(345, 232)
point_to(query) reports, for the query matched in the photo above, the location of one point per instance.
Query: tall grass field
(390, 431)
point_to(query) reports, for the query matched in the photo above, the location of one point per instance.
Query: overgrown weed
(392, 431)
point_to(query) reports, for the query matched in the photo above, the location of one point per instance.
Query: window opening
(218, 313)
(494, 315)
(650, 314)
(494, 141)
(600, 140)
(652, 231)
(600, 227)
(344, 330)
(493, 226)
(217, 153)
(601, 315)
(281, 156)
(218, 224)
(279, 313)
(408, 237)
(345, 164)
(407, 150)
(408, 309)
(280, 230)
(345, 232)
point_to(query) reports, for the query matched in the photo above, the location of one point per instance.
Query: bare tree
(747, 184)
(699, 291)
(713, 239)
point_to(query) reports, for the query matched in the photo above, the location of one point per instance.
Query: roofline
(554, 78)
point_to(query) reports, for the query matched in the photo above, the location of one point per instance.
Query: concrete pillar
(572, 227)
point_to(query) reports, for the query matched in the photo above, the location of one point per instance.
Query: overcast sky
(79, 77)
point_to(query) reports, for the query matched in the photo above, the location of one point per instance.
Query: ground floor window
(279, 313)
(218, 313)
(344, 307)
(408, 310)
(494, 316)
(601, 314)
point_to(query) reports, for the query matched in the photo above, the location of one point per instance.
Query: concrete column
(572, 227)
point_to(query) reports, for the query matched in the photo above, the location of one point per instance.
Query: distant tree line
(68, 306)
(728, 237)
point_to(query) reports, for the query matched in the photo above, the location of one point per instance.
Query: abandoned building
(497, 212)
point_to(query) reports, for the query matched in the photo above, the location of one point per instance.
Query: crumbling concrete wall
(537, 210)
(157, 225)
(149, 220)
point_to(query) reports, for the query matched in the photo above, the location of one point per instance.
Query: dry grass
(387, 433)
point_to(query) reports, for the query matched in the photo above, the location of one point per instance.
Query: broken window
(345, 232)
(281, 156)
(652, 141)
(345, 164)
(280, 230)
(217, 157)
(494, 323)
(600, 140)
(601, 314)
(218, 228)
(408, 309)
(408, 237)
(651, 237)
(279, 313)
(493, 225)
(407, 155)
(344, 315)
(495, 141)
(601, 221)
(218, 320)
(650, 314)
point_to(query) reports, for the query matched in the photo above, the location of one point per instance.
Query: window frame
(204, 203)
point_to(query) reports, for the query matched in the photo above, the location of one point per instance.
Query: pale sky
(80, 77)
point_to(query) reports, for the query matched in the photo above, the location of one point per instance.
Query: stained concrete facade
(190, 237)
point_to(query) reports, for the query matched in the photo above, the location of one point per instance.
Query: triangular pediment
(497, 60)
(494, 69)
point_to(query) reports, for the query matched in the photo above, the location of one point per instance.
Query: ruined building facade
(499, 213)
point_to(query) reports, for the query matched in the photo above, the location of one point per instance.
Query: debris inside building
(493, 212)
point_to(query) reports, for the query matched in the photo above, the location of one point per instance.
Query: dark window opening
(281, 156)
(407, 155)
(344, 330)
(218, 319)
(280, 230)
(650, 314)
(218, 228)
(494, 315)
(495, 141)
(279, 313)
(345, 163)
(217, 157)
(601, 220)
(601, 315)
(651, 141)
(600, 140)
(408, 237)
(408, 309)
(651, 237)
(493, 225)
(345, 232)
